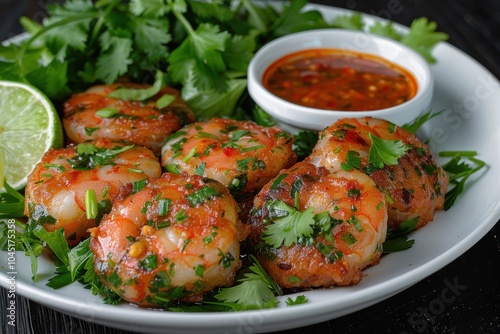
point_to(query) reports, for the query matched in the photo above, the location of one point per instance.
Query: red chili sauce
(337, 79)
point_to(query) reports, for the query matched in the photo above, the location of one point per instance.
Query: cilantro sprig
(255, 290)
(397, 239)
(203, 47)
(90, 156)
(11, 202)
(289, 224)
(385, 152)
(417, 123)
(460, 170)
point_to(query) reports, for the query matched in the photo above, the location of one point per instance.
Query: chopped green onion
(106, 112)
(165, 101)
(91, 204)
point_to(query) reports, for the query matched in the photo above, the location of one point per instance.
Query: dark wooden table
(474, 27)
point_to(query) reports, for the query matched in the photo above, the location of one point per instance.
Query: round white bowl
(293, 117)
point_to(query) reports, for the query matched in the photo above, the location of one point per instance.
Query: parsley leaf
(353, 22)
(353, 161)
(261, 117)
(423, 36)
(397, 239)
(200, 55)
(385, 29)
(256, 290)
(304, 143)
(459, 171)
(90, 156)
(385, 152)
(299, 300)
(419, 121)
(11, 202)
(289, 224)
(115, 57)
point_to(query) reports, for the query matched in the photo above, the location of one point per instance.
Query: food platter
(468, 95)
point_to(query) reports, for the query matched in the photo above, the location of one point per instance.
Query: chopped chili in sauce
(337, 79)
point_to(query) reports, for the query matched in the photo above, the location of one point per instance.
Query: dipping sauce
(335, 79)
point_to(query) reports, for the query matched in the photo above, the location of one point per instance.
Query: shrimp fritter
(57, 186)
(176, 238)
(312, 227)
(415, 186)
(94, 114)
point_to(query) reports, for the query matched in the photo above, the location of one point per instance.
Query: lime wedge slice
(29, 126)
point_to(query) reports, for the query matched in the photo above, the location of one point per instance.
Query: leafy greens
(202, 47)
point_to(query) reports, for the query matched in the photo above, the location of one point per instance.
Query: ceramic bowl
(293, 117)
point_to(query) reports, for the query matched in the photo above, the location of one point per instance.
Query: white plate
(470, 96)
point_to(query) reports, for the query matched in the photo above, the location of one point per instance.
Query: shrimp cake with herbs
(241, 155)
(415, 186)
(311, 227)
(176, 238)
(95, 113)
(57, 186)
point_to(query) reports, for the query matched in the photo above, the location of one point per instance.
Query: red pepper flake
(229, 151)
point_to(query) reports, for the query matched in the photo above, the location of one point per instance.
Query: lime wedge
(29, 126)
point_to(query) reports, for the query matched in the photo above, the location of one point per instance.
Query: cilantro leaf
(294, 18)
(353, 161)
(353, 21)
(238, 53)
(207, 103)
(200, 54)
(56, 240)
(11, 202)
(76, 16)
(385, 29)
(397, 239)
(52, 79)
(385, 152)
(251, 294)
(261, 117)
(289, 224)
(150, 8)
(256, 290)
(304, 143)
(115, 57)
(423, 36)
(151, 37)
(419, 121)
(459, 172)
(299, 300)
(218, 10)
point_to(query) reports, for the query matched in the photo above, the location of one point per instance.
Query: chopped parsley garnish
(90, 156)
(149, 263)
